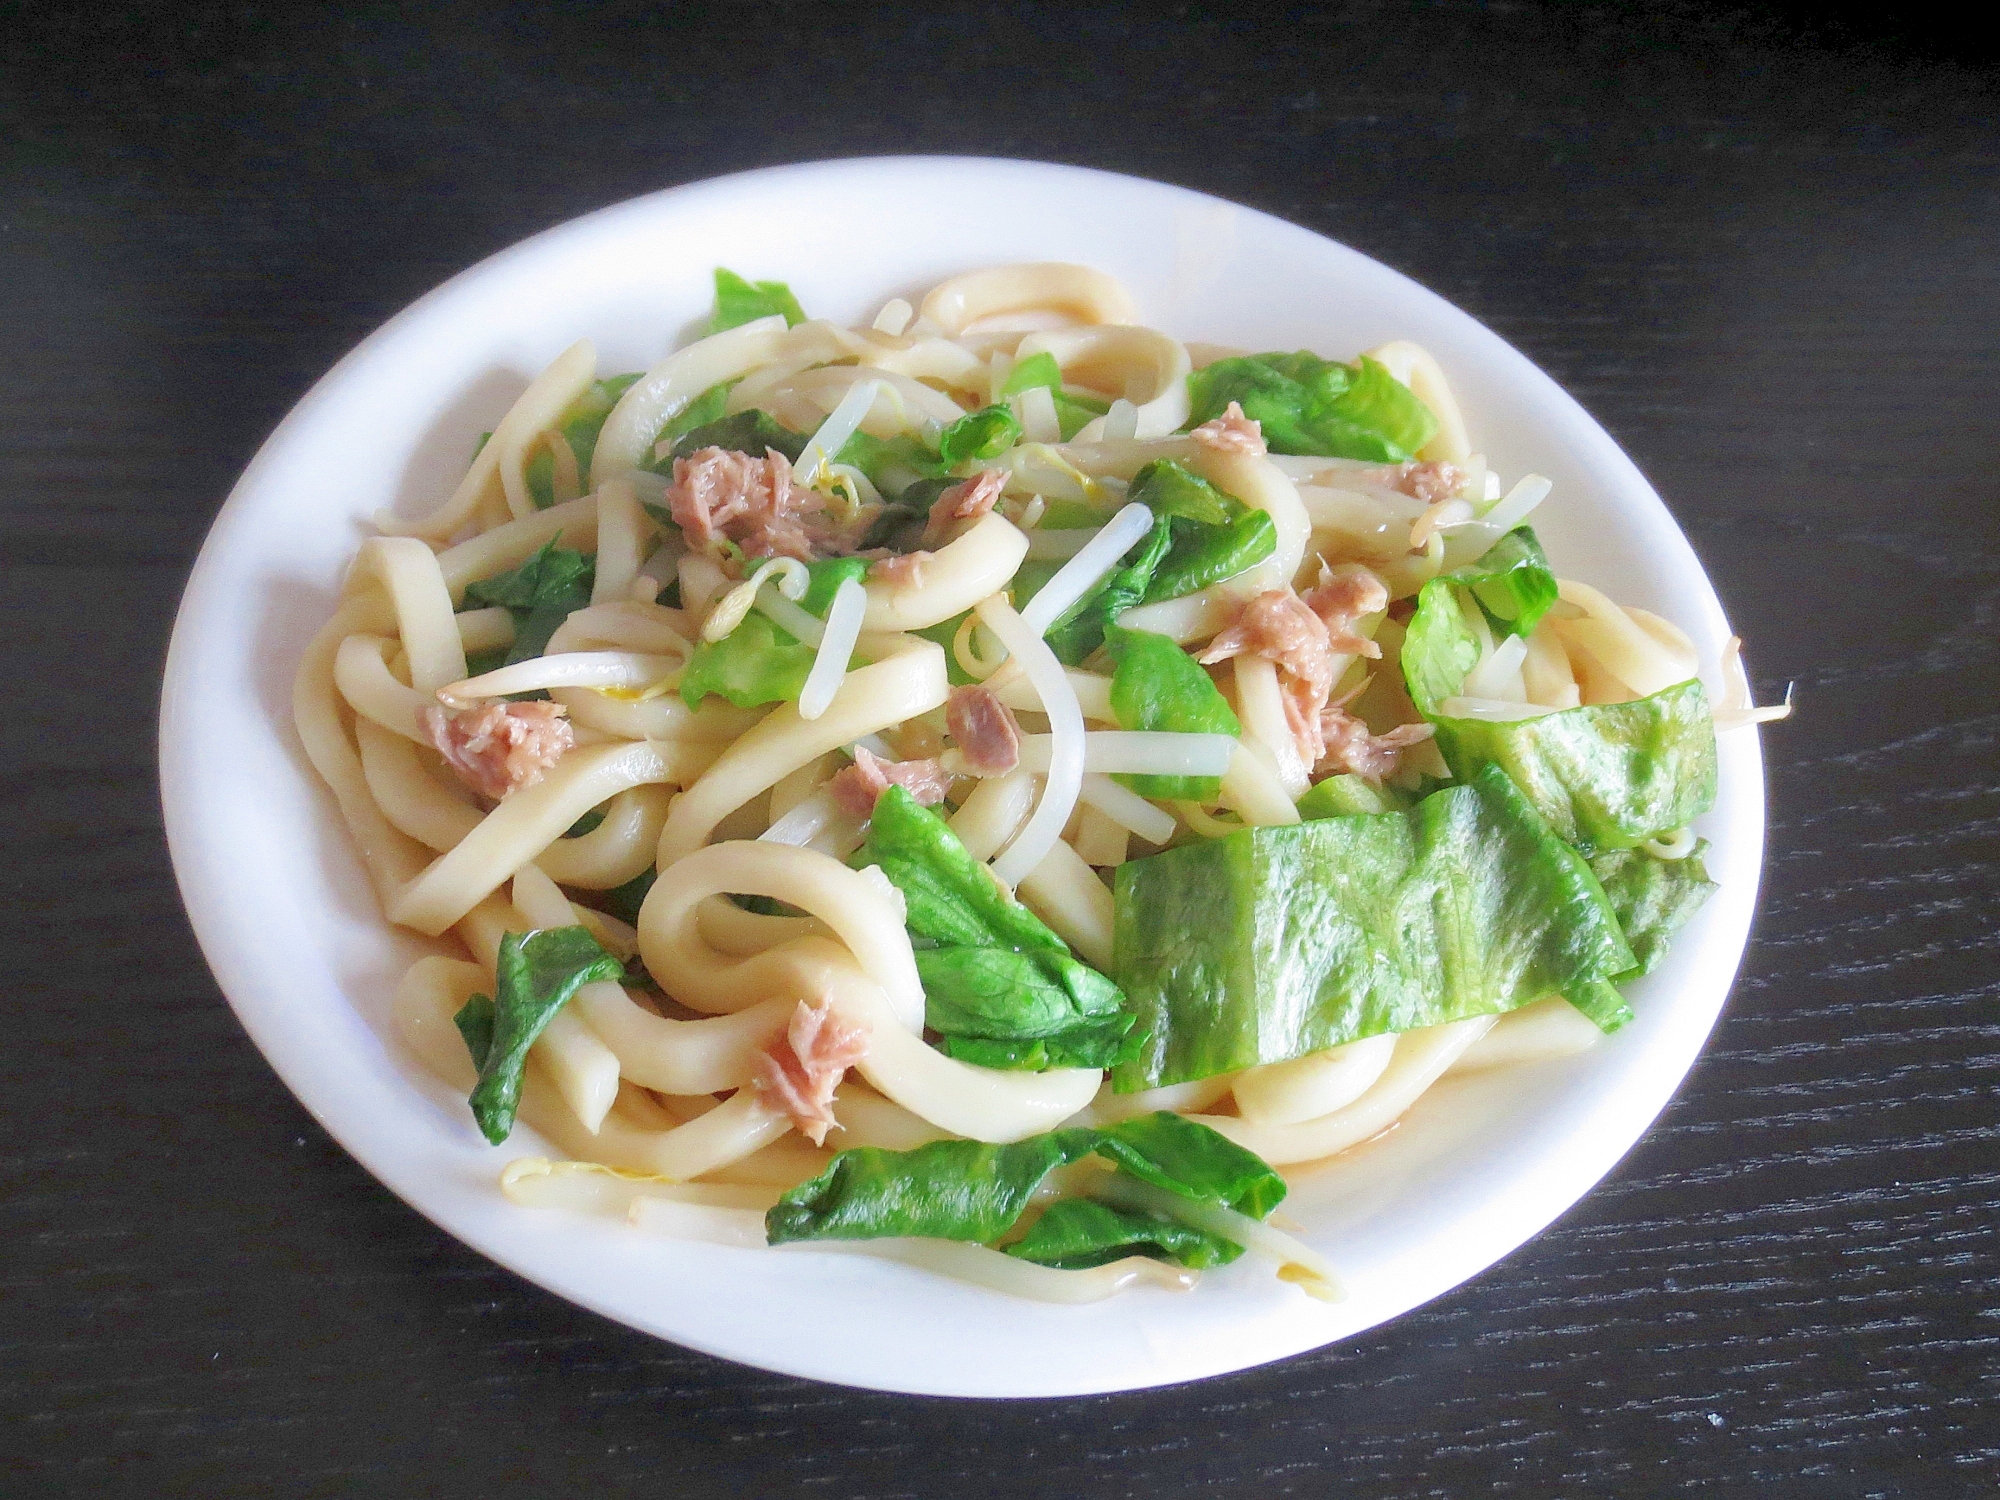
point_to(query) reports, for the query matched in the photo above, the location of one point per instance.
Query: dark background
(1759, 245)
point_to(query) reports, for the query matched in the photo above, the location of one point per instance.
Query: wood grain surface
(1764, 249)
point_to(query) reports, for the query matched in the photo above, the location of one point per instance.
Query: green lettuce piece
(540, 595)
(967, 1190)
(1271, 943)
(1071, 515)
(1078, 1233)
(1213, 534)
(1037, 370)
(738, 302)
(1157, 685)
(1079, 630)
(538, 973)
(902, 466)
(1074, 410)
(1202, 555)
(760, 661)
(986, 433)
(1306, 404)
(999, 985)
(1346, 795)
(1512, 582)
(750, 432)
(1605, 776)
(708, 407)
(579, 424)
(1653, 897)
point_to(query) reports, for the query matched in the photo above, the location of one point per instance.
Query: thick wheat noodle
(866, 921)
(1548, 1028)
(993, 813)
(874, 697)
(715, 724)
(361, 672)
(1622, 643)
(533, 413)
(1421, 1057)
(682, 1057)
(898, 399)
(408, 571)
(1413, 365)
(526, 823)
(390, 856)
(1146, 367)
(1065, 893)
(1262, 485)
(1260, 704)
(1306, 1088)
(625, 442)
(407, 794)
(622, 528)
(1081, 292)
(953, 579)
(626, 625)
(618, 849)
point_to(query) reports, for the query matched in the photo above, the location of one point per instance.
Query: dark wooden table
(1765, 251)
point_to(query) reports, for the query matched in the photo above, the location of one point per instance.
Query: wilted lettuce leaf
(759, 661)
(1653, 897)
(579, 425)
(540, 594)
(1001, 987)
(1078, 1233)
(986, 433)
(750, 432)
(1306, 404)
(1606, 776)
(1157, 685)
(1271, 943)
(738, 302)
(967, 1190)
(538, 973)
(1346, 795)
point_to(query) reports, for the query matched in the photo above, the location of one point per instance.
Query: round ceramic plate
(296, 940)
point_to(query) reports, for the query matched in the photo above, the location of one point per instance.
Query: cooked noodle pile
(671, 722)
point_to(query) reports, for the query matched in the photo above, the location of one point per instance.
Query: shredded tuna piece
(1344, 595)
(857, 787)
(718, 494)
(1429, 483)
(1278, 625)
(984, 729)
(901, 569)
(798, 1072)
(1351, 748)
(961, 503)
(497, 748)
(1232, 432)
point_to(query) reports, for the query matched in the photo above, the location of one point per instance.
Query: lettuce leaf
(750, 432)
(1345, 795)
(1653, 898)
(1271, 943)
(1157, 685)
(1214, 535)
(968, 1190)
(538, 972)
(1074, 410)
(579, 425)
(1306, 404)
(1606, 776)
(540, 595)
(986, 433)
(999, 985)
(760, 661)
(1075, 1234)
(1079, 630)
(738, 302)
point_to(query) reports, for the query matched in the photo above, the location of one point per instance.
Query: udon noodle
(525, 763)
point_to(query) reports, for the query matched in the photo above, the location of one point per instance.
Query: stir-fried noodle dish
(998, 788)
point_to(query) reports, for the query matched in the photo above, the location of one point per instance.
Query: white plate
(297, 943)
